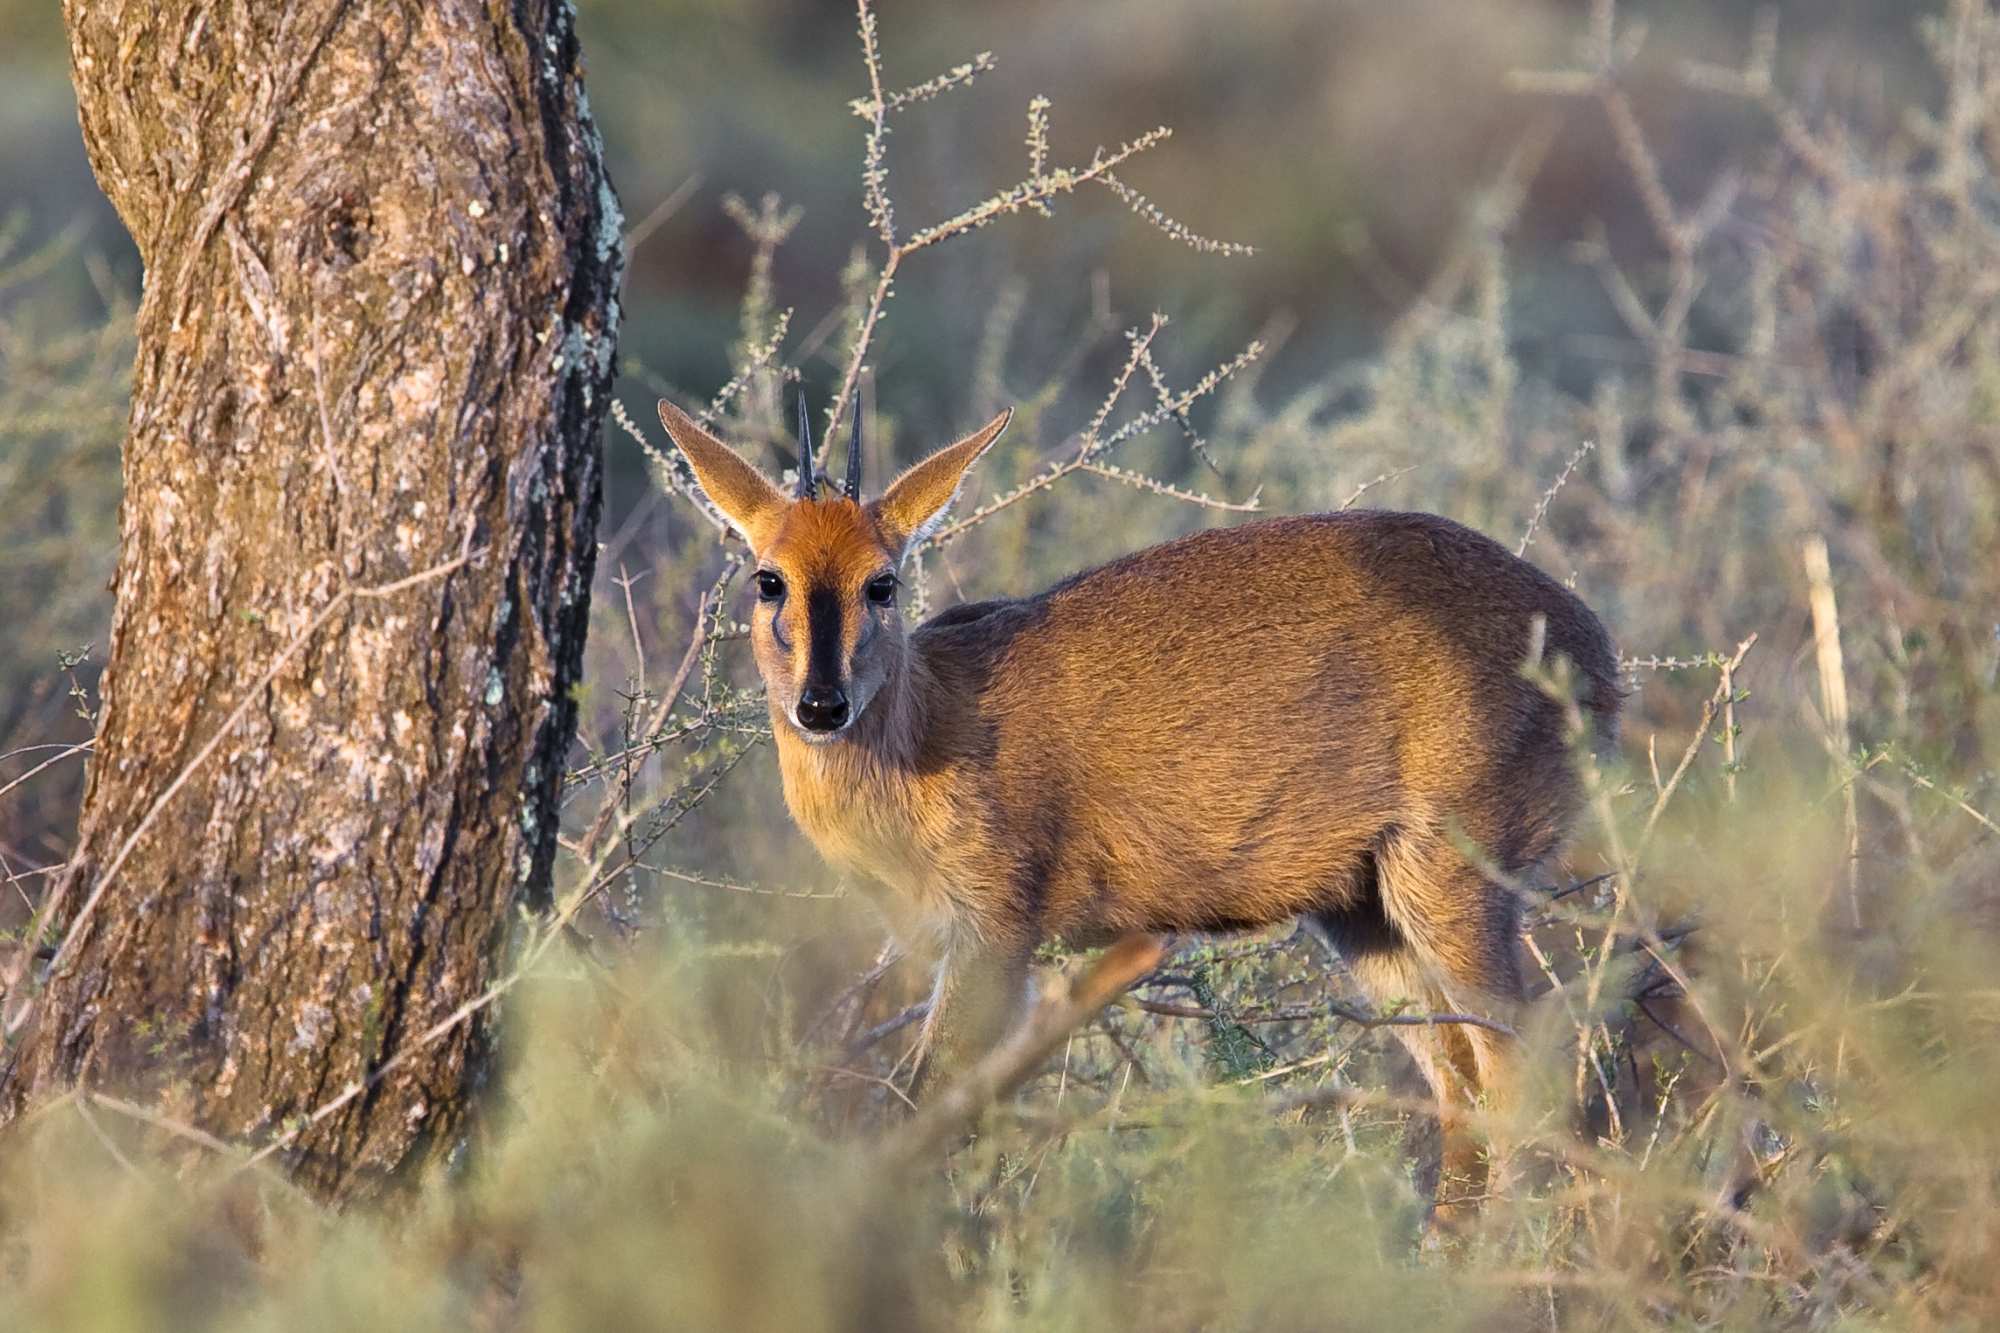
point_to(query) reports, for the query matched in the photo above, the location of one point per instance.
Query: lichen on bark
(381, 301)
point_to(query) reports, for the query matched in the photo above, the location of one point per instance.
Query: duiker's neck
(868, 801)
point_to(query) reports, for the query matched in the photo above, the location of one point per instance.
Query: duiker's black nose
(822, 708)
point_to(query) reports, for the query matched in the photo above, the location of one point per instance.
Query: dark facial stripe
(823, 660)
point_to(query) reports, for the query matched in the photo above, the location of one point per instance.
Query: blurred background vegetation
(1346, 141)
(1765, 1066)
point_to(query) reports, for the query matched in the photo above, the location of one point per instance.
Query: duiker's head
(826, 631)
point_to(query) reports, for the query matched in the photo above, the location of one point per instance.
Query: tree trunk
(359, 528)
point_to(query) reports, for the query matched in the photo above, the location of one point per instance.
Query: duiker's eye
(770, 587)
(882, 589)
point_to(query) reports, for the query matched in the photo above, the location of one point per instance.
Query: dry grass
(62, 388)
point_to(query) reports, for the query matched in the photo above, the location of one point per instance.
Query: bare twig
(666, 209)
(1657, 663)
(1549, 495)
(1373, 482)
(1910, 771)
(1146, 483)
(1709, 709)
(1833, 694)
(1313, 1013)
(1042, 185)
(887, 957)
(51, 762)
(712, 882)
(1146, 209)
(884, 1030)
(180, 1129)
(1061, 1009)
(960, 75)
(1092, 446)
(81, 1100)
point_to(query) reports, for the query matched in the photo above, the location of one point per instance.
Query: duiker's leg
(1445, 1055)
(1462, 937)
(980, 992)
(1466, 932)
(1427, 929)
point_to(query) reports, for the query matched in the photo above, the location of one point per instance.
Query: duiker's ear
(745, 496)
(915, 502)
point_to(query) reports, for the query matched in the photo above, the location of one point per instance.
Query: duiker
(1301, 717)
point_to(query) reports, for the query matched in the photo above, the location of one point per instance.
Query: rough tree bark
(382, 265)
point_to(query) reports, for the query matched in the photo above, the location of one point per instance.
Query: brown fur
(1291, 718)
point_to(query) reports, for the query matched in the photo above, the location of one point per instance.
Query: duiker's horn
(806, 488)
(854, 452)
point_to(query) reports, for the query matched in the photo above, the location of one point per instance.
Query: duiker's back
(1221, 730)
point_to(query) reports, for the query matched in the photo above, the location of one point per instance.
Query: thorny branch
(1061, 1009)
(1092, 446)
(1709, 710)
(1041, 186)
